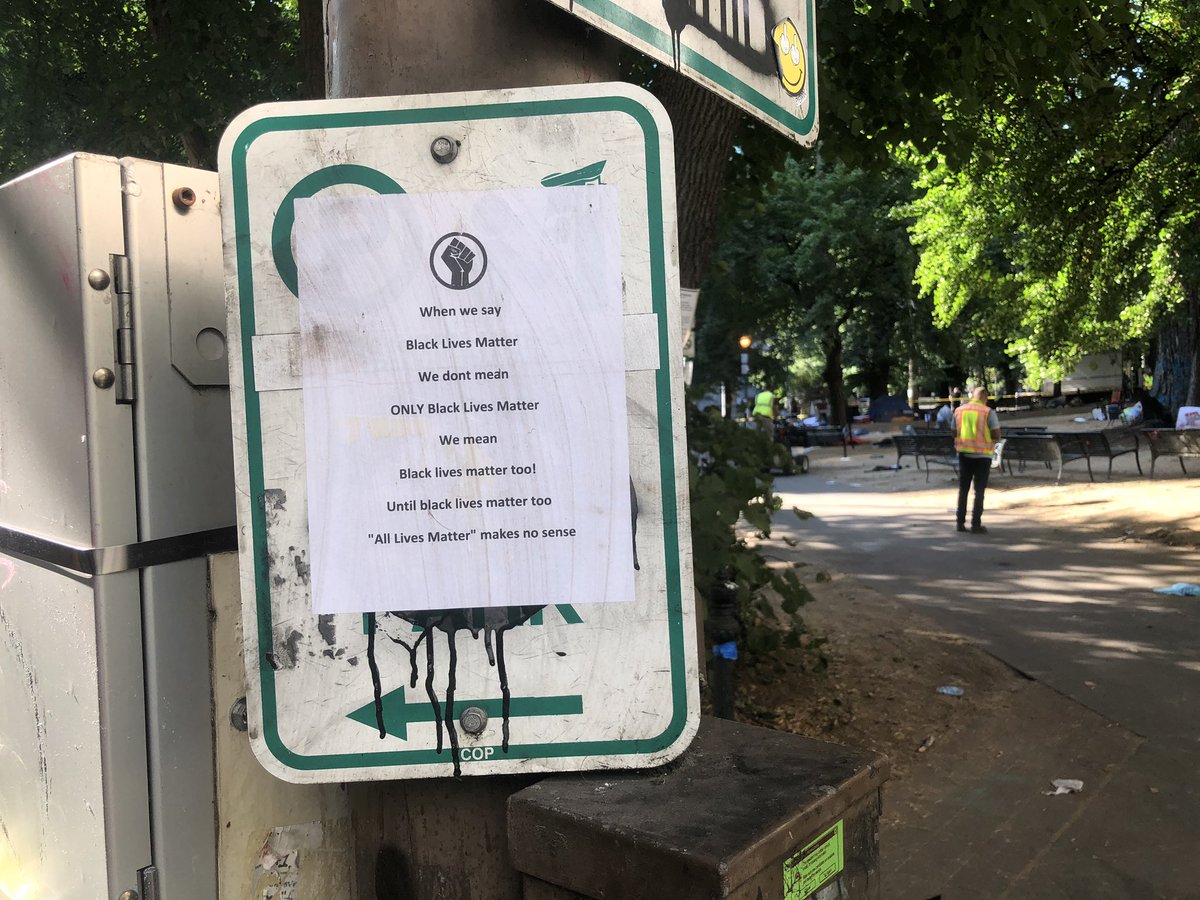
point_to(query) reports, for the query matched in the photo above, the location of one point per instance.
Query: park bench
(906, 445)
(820, 436)
(1052, 450)
(1111, 443)
(936, 448)
(1172, 442)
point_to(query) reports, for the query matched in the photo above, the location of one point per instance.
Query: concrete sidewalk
(1114, 701)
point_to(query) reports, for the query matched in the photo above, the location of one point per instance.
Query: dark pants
(972, 469)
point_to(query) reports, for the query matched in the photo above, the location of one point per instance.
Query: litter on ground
(1180, 589)
(1064, 786)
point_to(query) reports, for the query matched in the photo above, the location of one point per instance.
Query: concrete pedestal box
(746, 813)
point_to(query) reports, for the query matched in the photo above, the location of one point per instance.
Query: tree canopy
(152, 78)
(1072, 224)
(821, 262)
(1057, 215)
(921, 72)
(1056, 212)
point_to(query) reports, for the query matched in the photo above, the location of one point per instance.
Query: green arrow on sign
(397, 714)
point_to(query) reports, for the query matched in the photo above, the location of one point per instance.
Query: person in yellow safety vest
(764, 413)
(976, 430)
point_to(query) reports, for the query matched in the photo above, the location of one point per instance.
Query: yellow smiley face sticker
(789, 56)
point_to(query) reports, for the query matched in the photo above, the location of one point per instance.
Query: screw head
(444, 149)
(183, 198)
(128, 895)
(99, 279)
(238, 716)
(473, 720)
(104, 378)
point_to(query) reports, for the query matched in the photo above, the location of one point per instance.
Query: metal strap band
(108, 560)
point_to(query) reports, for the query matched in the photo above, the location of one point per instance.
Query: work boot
(978, 529)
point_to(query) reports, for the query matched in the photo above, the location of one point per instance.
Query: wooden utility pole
(382, 47)
(446, 839)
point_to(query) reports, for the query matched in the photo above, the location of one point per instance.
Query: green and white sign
(458, 417)
(761, 55)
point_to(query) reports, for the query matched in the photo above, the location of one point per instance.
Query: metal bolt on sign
(473, 720)
(444, 149)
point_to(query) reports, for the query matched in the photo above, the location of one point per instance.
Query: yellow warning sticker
(814, 865)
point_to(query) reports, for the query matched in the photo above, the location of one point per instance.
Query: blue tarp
(887, 408)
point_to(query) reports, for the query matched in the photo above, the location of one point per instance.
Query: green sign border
(641, 31)
(575, 106)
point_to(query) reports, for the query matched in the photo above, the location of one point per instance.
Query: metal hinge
(122, 286)
(147, 888)
(148, 879)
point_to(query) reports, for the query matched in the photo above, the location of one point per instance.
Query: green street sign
(760, 55)
(455, 373)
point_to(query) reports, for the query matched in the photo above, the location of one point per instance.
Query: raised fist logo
(458, 260)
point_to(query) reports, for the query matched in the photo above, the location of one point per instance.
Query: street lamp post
(744, 382)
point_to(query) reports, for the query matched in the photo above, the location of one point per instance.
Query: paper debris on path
(951, 690)
(1064, 786)
(1180, 589)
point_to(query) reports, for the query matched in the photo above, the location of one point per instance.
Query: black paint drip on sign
(375, 675)
(429, 673)
(491, 623)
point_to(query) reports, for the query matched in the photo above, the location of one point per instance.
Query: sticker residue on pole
(815, 864)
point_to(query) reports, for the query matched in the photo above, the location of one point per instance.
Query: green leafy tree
(152, 78)
(918, 72)
(822, 261)
(1072, 227)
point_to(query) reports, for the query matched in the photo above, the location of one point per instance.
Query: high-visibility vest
(762, 404)
(971, 431)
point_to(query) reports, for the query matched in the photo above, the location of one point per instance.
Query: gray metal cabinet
(115, 481)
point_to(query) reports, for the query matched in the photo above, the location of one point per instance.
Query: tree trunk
(312, 49)
(382, 47)
(1178, 359)
(834, 377)
(704, 126)
(878, 377)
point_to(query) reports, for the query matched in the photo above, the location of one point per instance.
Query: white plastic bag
(1189, 417)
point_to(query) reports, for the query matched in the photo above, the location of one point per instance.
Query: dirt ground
(873, 680)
